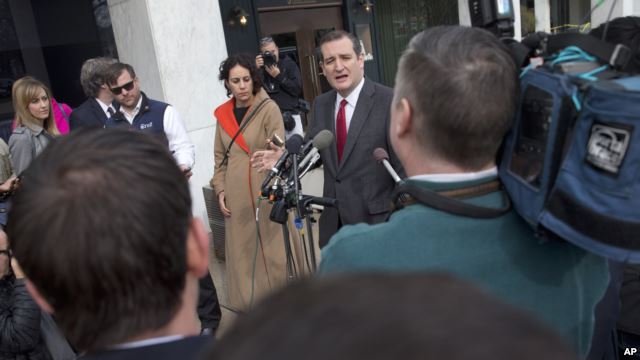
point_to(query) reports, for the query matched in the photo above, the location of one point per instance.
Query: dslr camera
(269, 58)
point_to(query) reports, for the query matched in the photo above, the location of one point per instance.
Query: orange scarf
(228, 122)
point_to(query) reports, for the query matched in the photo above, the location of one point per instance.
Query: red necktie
(341, 129)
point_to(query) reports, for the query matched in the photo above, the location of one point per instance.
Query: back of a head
(626, 31)
(462, 85)
(375, 316)
(99, 226)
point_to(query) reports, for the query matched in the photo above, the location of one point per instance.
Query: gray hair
(93, 75)
(266, 41)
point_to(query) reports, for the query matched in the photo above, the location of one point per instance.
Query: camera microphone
(382, 156)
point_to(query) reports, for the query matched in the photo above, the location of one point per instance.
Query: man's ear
(197, 249)
(404, 117)
(37, 297)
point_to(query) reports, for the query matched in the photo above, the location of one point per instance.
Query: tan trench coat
(255, 266)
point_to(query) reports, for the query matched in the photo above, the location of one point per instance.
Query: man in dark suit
(123, 282)
(356, 111)
(98, 107)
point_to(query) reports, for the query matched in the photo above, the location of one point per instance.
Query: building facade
(176, 46)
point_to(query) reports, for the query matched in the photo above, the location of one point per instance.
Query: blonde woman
(35, 124)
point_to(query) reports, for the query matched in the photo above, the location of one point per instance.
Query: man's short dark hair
(93, 75)
(376, 316)
(337, 35)
(462, 86)
(114, 71)
(99, 225)
(246, 61)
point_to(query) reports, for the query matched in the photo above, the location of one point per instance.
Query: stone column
(176, 47)
(543, 15)
(622, 8)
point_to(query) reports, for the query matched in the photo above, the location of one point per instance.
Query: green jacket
(557, 281)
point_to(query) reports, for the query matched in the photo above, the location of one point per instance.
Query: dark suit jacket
(185, 349)
(361, 185)
(89, 113)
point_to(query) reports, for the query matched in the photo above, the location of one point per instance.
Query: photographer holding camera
(281, 80)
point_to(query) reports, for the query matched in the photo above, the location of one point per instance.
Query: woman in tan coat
(256, 262)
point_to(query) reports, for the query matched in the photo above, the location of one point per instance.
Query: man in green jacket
(454, 100)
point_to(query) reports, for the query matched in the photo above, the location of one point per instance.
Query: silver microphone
(320, 142)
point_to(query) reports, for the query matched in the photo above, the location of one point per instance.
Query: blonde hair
(23, 91)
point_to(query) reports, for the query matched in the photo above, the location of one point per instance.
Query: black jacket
(20, 337)
(89, 113)
(286, 88)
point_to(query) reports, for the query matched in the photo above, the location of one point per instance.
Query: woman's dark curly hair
(247, 62)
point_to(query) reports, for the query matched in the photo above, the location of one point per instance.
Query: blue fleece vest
(149, 120)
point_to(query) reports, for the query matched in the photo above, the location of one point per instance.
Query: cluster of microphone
(307, 155)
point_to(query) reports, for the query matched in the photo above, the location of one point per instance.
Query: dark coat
(361, 185)
(89, 113)
(20, 337)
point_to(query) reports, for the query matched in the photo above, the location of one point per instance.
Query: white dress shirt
(148, 342)
(449, 178)
(352, 100)
(180, 145)
(105, 108)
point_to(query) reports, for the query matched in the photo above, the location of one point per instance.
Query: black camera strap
(243, 126)
(616, 55)
(448, 201)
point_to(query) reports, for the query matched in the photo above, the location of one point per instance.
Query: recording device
(292, 146)
(381, 155)
(311, 150)
(566, 162)
(276, 140)
(269, 58)
(493, 15)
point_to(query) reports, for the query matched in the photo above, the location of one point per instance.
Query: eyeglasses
(118, 89)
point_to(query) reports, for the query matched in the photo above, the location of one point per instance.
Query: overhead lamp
(366, 4)
(240, 14)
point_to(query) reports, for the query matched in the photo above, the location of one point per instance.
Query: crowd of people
(128, 276)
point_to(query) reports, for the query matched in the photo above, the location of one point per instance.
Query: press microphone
(320, 142)
(292, 146)
(382, 156)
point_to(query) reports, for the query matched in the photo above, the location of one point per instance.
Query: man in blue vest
(147, 115)
(454, 99)
(162, 120)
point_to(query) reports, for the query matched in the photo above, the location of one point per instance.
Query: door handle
(312, 70)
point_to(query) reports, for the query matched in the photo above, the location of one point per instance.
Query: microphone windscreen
(380, 154)
(294, 143)
(323, 139)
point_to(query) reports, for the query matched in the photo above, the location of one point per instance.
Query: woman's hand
(223, 205)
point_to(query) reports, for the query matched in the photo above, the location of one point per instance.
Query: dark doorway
(50, 40)
(297, 32)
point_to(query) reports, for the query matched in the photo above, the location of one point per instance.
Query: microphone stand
(291, 268)
(301, 204)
